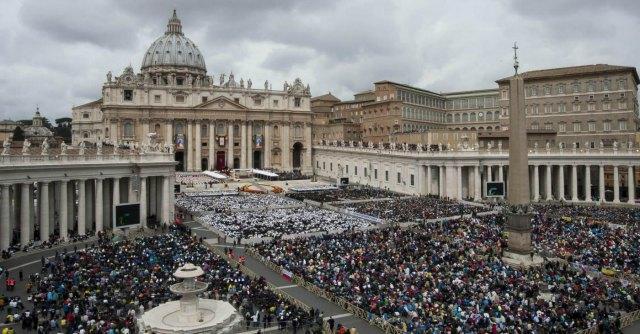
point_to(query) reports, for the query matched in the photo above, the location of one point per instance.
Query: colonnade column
(428, 181)
(81, 208)
(166, 194)
(25, 214)
(98, 204)
(5, 219)
(190, 146)
(560, 182)
(249, 145)
(549, 193)
(63, 214)
(631, 185)
(308, 145)
(243, 145)
(489, 174)
(212, 145)
(44, 210)
(500, 173)
(230, 146)
(477, 186)
(267, 146)
(616, 185)
(143, 201)
(286, 148)
(459, 188)
(536, 183)
(601, 183)
(441, 182)
(574, 183)
(198, 146)
(587, 183)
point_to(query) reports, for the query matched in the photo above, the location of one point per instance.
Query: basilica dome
(173, 50)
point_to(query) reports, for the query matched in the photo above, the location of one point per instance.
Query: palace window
(622, 105)
(592, 126)
(562, 127)
(296, 102)
(128, 95)
(562, 107)
(577, 127)
(606, 85)
(606, 125)
(576, 107)
(547, 90)
(535, 126)
(591, 106)
(622, 125)
(203, 131)
(606, 106)
(560, 89)
(576, 87)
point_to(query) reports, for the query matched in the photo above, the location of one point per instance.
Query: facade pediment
(221, 103)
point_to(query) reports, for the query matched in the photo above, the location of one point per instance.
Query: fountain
(190, 314)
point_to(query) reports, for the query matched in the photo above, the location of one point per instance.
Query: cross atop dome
(174, 26)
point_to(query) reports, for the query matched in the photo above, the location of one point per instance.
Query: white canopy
(264, 173)
(214, 175)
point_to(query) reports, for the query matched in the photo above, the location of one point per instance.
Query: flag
(287, 275)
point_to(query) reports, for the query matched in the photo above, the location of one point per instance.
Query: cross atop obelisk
(515, 57)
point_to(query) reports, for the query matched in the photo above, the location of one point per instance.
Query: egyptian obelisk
(518, 221)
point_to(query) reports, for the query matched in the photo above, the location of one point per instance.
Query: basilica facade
(210, 122)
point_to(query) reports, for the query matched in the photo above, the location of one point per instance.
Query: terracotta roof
(326, 97)
(574, 71)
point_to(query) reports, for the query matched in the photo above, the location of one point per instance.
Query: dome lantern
(174, 26)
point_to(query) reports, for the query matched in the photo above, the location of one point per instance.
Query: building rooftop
(406, 86)
(575, 70)
(326, 97)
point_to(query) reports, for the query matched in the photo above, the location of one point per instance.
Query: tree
(63, 128)
(18, 134)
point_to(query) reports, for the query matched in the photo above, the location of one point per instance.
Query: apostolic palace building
(215, 123)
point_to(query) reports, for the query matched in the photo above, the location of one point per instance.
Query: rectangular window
(355, 170)
(324, 166)
(375, 173)
(317, 164)
(547, 109)
(606, 126)
(562, 107)
(622, 125)
(412, 179)
(591, 106)
(157, 98)
(180, 98)
(128, 95)
(386, 175)
(534, 91)
(592, 126)
(346, 169)
(576, 127)
(236, 100)
(504, 95)
(204, 99)
(275, 103)
(622, 105)
(560, 89)
(562, 127)
(296, 102)
(534, 126)
(547, 90)
(576, 88)
(576, 107)
(606, 106)
(365, 172)
(606, 85)
(179, 81)
(548, 126)
(399, 177)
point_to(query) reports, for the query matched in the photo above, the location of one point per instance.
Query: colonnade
(51, 210)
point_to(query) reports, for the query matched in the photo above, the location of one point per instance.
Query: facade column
(548, 177)
(198, 141)
(43, 188)
(441, 182)
(459, 187)
(168, 136)
(307, 164)
(601, 183)
(477, 186)
(243, 145)
(25, 214)
(63, 213)
(561, 182)
(428, 181)
(153, 192)
(536, 183)
(143, 201)
(587, 183)
(71, 201)
(249, 145)
(616, 185)
(131, 196)
(5, 218)
(574, 183)
(166, 193)
(500, 173)
(489, 174)
(98, 206)
(116, 191)
(631, 185)
(88, 193)
(267, 146)
(230, 146)
(82, 229)
(15, 209)
(189, 149)
(212, 145)
(286, 148)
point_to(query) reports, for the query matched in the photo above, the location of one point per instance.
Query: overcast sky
(55, 54)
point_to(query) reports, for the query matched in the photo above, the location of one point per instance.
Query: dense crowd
(293, 175)
(448, 278)
(103, 288)
(278, 222)
(195, 180)
(586, 235)
(406, 209)
(351, 193)
(195, 204)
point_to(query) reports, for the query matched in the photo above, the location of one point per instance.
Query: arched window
(128, 129)
(85, 135)
(106, 132)
(465, 117)
(457, 118)
(449, 118)
(473, 117)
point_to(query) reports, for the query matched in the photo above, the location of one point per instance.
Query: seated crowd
(196, 204)
(350, 193)
(583, 234)
(278, 222)
(103, 288)
(195, 180)
(407, 209)
(449, 278)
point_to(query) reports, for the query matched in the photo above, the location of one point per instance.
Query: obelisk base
(519, 233)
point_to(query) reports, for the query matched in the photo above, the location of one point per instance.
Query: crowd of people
(449, 278)
(342, 194)
(196, 204)
(405, 209)
(275, 223)
(601, 237)
(105, 287)
(195, 180)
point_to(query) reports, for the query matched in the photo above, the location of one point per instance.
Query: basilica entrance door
(257, 159)
(179, 157)
(220, 160)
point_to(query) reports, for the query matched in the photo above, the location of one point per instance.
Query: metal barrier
(375, 320)
(626, 320)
